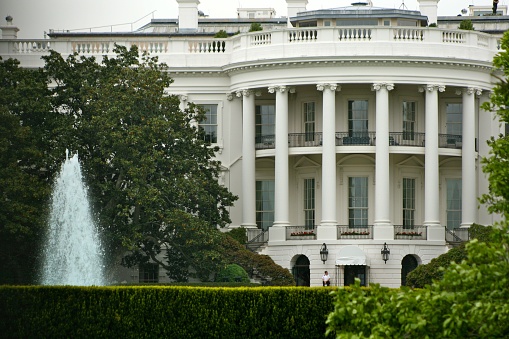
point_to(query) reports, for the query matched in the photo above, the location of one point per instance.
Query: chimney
(294, 7)
(9, 31)
(429, 8)
(188, 15)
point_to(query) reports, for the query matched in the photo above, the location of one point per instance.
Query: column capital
(247, 92)
(230, 96)
(431, 88)
(331, 86)
(281, 89)
(183, 97)
(378, 86)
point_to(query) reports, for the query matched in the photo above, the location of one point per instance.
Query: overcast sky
(33, 17)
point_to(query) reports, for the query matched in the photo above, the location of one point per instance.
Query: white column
(329, 154)
(281, 194)
(431, 169)
(382, 177)
(248, 159)
(468, 155)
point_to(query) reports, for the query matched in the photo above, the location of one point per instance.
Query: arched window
(408, 264)
(301, 271)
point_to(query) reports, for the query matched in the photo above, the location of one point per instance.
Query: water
(72, 252)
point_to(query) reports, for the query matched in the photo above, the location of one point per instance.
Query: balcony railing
(411, 232)
(305, 139)
(450, 141)
(265, 142)
(406, 139)
(355, 232)
(340, 42)
(355, 138)
(301, 233)
(457, 235)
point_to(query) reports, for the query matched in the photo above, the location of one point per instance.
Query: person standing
(326, 279)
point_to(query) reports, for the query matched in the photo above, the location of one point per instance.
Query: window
(358, 118)
(387, 22)
(309, 121)
(408, 202)
(309, 203)
(409, 120)
(454, 116)
(264, 203)
(358, 201)
(405, 22)
(357, 22)
(453, 208)
(148, 273)
(209, 124)
(265, 123)
(326, 23)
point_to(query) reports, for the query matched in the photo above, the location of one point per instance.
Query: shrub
(239, 234)
(232, 273)
(255, 26)
(466, 25)
(221, 34)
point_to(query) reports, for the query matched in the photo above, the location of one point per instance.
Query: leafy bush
(221, 34)
(232, 273)
(239, 234)
(434, 270)
(255, 26)
(466, 25)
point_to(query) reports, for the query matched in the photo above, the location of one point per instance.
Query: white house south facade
(358, 128)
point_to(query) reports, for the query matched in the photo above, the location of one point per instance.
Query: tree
(26, 163)
(152, 177)
(496, 165)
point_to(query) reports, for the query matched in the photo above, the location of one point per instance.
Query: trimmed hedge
(164, 312)
(232, 273)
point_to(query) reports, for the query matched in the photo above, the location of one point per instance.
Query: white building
(359, 126)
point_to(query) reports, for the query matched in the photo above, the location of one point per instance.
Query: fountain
(72, 252)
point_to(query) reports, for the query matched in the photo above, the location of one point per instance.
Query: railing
(411, 232)
(355, 138)
(305, 139)
(300, 232)
(256, 238)
(265, 142)
(450, 141)
(355, 232)
(278, 43)
(457, 235)
(414, 139)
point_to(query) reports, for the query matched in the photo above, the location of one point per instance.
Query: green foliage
(470, 301)
(466, 25)
(496, 164)
(433, 24)
(239, 234)
(232, 273)
(262, 265)
(28, 144)
(163, 312)
(255, 26)
(153, 180)
(221, 34)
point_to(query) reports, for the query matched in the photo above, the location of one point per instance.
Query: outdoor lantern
(324, 252)
(385, 253)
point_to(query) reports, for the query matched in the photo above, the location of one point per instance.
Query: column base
(246, 226)
(466, 225)
(280, 223)
(383, 231)
(327, 232)
(277, 234)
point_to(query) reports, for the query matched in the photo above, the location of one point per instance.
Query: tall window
(358, 118)
(408, 202)
(264, 203)
(265, 123)
(454, 116)
(209, 125)
(453, 203)
(309, 203)
(357, 201)
(408, 120)
(309, 120)
(148, 273)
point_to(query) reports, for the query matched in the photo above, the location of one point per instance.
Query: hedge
(164, 312)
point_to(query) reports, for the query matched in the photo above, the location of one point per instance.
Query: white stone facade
(301, 116)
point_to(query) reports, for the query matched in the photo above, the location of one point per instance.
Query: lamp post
(324, 253)
(385, 253)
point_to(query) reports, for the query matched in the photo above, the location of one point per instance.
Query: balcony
(300, 232)
(354, 232)
(450, 141)
(410, 232)
(457, 235)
